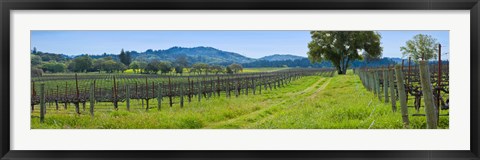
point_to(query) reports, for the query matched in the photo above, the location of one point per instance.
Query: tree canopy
(420, 47)
(236, 67)
(53, 67)
(165, 67)
(343, 47)
(125, 57)
(81, 64)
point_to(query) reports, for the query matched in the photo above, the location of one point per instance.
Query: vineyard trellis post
(227, 87)
(56, 99)
(199, 88)
(430, 108)
(65, 96)
(371, 80)
(77, 99)
(159, 96)
(246, 86)
(181, 95)
(170, 91)
(260, 85)
(401, 93)
(127, 96)
(377, 85)
(439, 81)
(391, 83)
(408, 77)
(92, 98)
(253, 86)
(385, 85)
(146, 93)
(84, 99)
(189, 88)
(34, 94)
(42, 102)
(236, 87)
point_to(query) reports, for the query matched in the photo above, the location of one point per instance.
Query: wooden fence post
(190, 86)
(159, 96)
(402, 94)
(236, 88)
(127, 96)
(246, 86)
(260, 85)
(392, 90)
(199, 95)
(77, 100)
(181, 95)
(377, 85)
(170, 91)
(227, 88)
(253, 86)
(92, 98)
(65, 96)
(42, 102)
(372, 82)
(428, 96)
(56, 100)
(385, 85)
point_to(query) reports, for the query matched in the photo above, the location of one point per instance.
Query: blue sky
(253, 44)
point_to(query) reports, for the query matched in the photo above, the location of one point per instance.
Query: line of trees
(86, 63)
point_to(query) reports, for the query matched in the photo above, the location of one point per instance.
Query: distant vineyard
(63, 90)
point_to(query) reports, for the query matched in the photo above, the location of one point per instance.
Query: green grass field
(314, 102)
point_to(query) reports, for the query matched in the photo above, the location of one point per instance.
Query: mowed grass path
(314, 102)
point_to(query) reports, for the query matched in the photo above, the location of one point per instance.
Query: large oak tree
(343, 47)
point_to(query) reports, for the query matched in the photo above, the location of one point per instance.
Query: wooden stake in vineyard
(260, 87)
(92, 98)
(189, 93)
(408, 77)
(77, 98)
(170, 91)
(34, 94)
(146, 93)
(181, 95)
(84, 98)
(218, 86)
(42, 102)
(56, 100)
(377, 85)
(430, 111)
(65, 96)
(199, 87)
(401, 93)
(385, 86)
(127, 96)
(439, 81)
(392, 89)
(115, 97)
(159, 96)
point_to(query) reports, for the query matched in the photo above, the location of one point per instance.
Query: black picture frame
(9, 5)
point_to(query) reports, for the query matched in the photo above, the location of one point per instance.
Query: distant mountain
(396, 60)
(194, 55)
(208, 55)
(211, 55)
(281, 57)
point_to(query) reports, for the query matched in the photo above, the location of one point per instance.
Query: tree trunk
(340, 71)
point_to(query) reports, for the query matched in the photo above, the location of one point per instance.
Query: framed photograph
(259, 79)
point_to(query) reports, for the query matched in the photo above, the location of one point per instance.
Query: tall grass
(339, 102)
